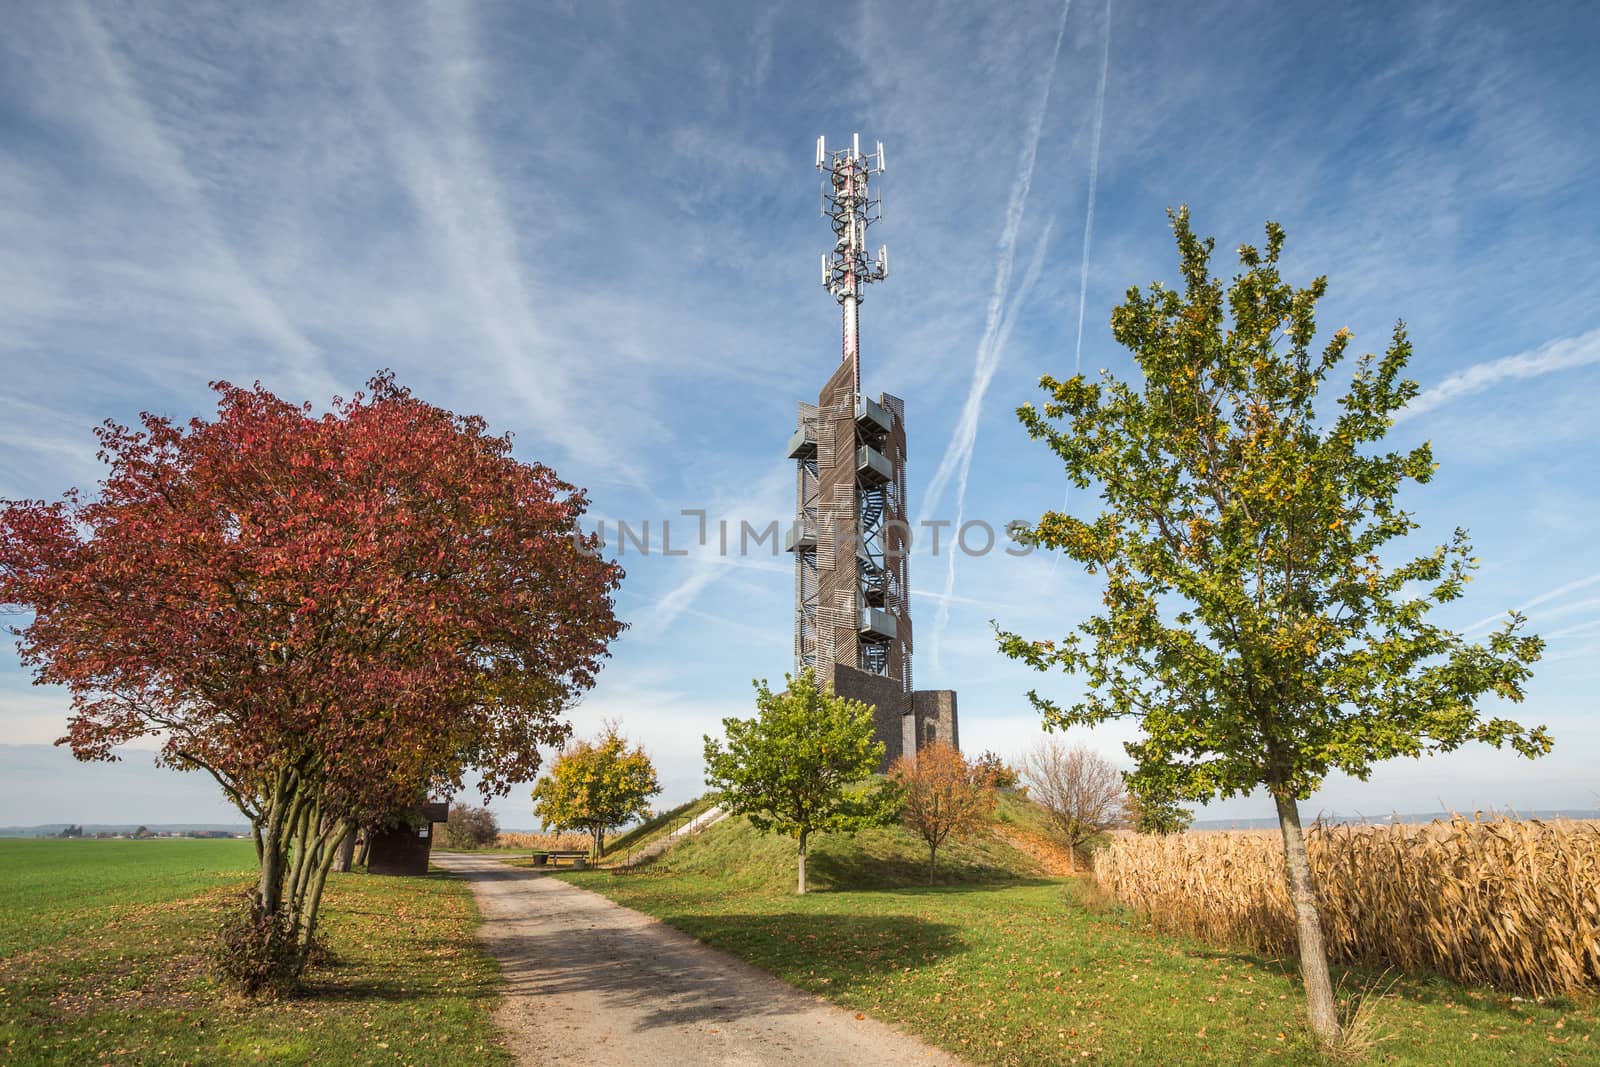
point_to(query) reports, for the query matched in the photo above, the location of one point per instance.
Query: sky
(596, 225)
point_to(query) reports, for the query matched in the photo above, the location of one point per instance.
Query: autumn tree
(942, 795)
(1001, 774)
(802, 766)
(1262, 622)
(1080, 791)
(469, 827)
(596, 786)
(329, 614)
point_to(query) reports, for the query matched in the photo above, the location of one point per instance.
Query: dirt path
(590, 982)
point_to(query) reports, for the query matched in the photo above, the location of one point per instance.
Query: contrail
(1094, 182)
(988, 353)
(1088, 223)
(958, 455)
(1542, 598)
(1029, 278)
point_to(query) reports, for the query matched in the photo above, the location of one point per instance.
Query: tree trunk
(933, 852)
(268, 896)
(313, 903)
(802, 882)
(347, 853)
(1072, 856)
(1320, 1008)
(599, 843)
(364, 853)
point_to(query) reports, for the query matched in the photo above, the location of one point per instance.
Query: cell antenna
(850, 207)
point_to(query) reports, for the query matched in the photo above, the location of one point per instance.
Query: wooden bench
(578, 860)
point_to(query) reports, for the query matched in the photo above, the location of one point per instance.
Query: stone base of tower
(902, 721)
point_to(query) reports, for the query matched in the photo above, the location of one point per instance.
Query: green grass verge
(106, 961)
(1004, 968)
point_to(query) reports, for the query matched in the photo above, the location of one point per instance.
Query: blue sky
(596, 225)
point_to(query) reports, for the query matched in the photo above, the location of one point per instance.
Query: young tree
(329, 614)
(596, 786)
(799, 766)
(1001, 774)
(1080, 790)
(1155, 814)
(1256, 624)
(942, 795)
(468, 827)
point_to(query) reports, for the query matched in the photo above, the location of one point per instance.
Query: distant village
(124, 833)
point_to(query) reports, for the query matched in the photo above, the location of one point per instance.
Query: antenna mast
(848, 203)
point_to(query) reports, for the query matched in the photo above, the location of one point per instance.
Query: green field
(103, 959)
(1002, 966)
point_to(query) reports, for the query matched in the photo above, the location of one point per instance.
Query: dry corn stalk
(546, 842)
(1511, 903)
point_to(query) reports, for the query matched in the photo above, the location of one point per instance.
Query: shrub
(257, 953)
(470, 828)
(1001, 774)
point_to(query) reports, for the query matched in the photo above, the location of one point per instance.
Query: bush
(1001, 774)
(257, 954)
(470, 828)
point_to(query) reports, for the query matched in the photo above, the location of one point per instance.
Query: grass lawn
(103, 959)
(1004, 968)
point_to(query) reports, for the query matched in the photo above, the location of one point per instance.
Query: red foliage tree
(942, 794)
(330, 614)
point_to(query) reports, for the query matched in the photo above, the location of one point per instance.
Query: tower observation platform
(850, 537)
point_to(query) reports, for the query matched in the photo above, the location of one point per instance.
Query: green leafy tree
(1255, 625)
(799, 767)
(596, 786)
(1156, 814)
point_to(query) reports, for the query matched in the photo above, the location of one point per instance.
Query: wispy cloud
(445, 167)
(126, 122)
(1088, 218)
(1559, 355)
(710, 562)
(988, 354)
(957, 459)
(1543, 598)
(967, 432)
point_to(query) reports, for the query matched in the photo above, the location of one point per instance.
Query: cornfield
(545, 842)
(1510, 903)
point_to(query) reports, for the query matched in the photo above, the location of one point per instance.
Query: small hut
(403, 846)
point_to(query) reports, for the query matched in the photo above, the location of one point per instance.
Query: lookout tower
(850, 537)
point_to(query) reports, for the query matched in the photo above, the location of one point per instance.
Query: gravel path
(590, 982)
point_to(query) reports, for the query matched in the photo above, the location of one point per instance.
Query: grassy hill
(653, 829)
(734, 853)
(1002, 964)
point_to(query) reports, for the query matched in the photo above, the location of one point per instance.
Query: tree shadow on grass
(861, 944)
(1418, 987)
(856, 869)
(652, 976)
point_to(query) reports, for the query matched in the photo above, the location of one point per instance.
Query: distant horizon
(1406, 818)
(191, 799)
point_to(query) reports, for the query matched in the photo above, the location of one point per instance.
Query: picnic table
(577, 859)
